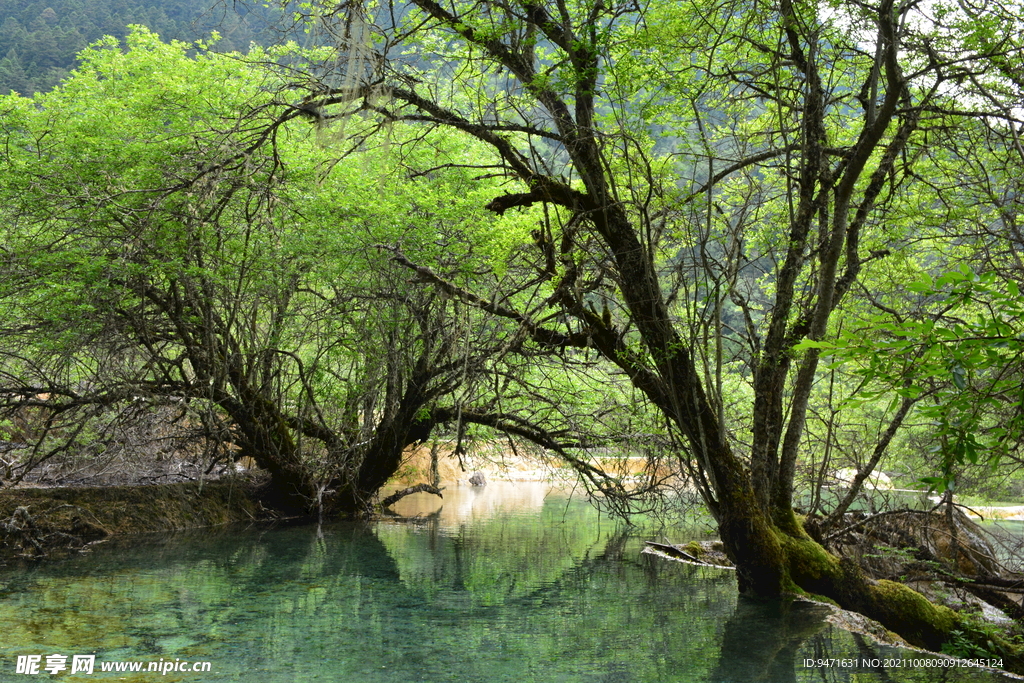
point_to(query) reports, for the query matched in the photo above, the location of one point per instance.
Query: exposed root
(36, 522)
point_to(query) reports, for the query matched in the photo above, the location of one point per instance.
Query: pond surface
(509, 583)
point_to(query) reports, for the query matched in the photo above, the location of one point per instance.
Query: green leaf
(812, 344)
(959, 376)
(923, 286)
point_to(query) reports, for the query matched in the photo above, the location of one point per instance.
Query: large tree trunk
(761, 534)
(773, 558)
(399, 427)
(268, 440)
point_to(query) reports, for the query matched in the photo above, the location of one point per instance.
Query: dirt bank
(38, 521)
(41, 521)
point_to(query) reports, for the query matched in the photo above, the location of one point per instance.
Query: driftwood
(419, 488)
(1015, 585)
(672, 551)
(929, 549)
(703, 554)
(951, 540)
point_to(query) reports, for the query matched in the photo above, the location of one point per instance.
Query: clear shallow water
(1007, 538)
(507, 583)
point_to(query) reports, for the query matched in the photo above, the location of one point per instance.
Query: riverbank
(39, 521)
(989, 513)
(35, 522)
(497, 461)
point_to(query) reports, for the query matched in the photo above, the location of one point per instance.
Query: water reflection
(523, 587)
(466, 504)
(762, 640)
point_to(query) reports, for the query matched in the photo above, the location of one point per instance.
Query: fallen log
(673, 551)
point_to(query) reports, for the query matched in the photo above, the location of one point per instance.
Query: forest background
(40, 41)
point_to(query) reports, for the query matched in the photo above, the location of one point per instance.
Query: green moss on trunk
(813, 569)
(910, 614)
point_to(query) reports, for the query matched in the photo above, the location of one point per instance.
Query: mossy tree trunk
(773, 555)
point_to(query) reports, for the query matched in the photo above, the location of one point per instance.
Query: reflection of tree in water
(588, 606)
(767, 641)
(335, 600)
(762, 639)
(867, 651)
(495, 558)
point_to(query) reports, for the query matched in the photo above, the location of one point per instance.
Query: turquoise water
(504, 584)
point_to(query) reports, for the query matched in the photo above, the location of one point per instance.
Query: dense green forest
(40, 41)
(749, 245)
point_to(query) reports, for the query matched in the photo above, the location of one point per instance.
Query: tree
(796, 134)
(944, 339)
(162, 252)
